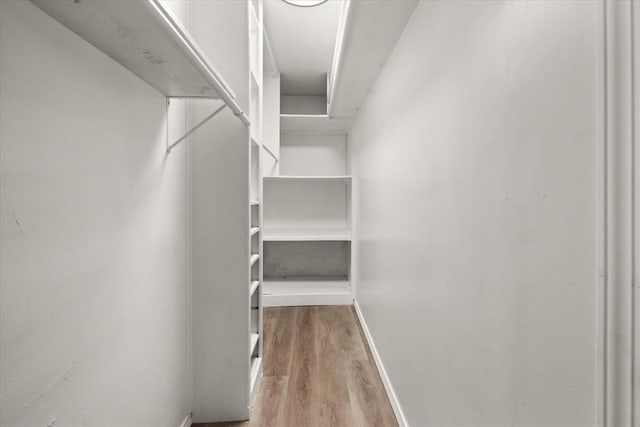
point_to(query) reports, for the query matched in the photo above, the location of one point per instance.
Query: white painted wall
(313, 154)
(476, 211)
(303, 104)
(93, 256)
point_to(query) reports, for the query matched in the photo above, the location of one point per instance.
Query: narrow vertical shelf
(256, 34)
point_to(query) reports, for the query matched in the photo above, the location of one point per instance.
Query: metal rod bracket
(193, 129)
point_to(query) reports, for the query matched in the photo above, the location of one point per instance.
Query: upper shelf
(367, 33)
(148, 40)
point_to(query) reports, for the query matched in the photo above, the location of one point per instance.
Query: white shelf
(345, 178)
(306, 234)
(256, 364)
(253, 342)
(282, 293)
(253, 259)
(253, 287)
(306, 287)
(254, 230)
(296, 123)
(254, 202)
(287, 116)
(148, 40)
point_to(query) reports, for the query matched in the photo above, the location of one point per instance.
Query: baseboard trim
(187, 421)
(395, 404)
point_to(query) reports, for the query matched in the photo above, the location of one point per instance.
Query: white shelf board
(256, 365)
(306, 234)
(371, 32)
(254, 202)
(253, 259)
(297, 123)
(253, 287)
(148, 40)
(286, 293)
(285, 287)
(303, 116)
(253, 342)
(254, 230)
(345, 178)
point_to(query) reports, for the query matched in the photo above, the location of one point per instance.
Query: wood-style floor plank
(318, 371)
(335, 408)
(270, 405)
(279, 330)
(366, 394)
(302, 396)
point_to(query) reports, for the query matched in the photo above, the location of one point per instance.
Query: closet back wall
(476, 176)
(93, 236)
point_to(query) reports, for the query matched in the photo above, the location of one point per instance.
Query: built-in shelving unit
(307, 211)
(256, 43)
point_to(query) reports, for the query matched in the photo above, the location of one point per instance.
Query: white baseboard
(395, 404)
(186, 422)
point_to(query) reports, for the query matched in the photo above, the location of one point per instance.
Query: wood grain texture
(318, 371)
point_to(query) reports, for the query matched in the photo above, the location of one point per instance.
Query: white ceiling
(302, 40)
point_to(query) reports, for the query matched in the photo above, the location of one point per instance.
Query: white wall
(476, 211)
(303, 104)
(93, 267)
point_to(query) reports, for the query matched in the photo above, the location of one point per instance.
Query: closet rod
(270, 153)
(179, 35)
(193, 129)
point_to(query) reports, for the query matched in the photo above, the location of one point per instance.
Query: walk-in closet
(312, 213)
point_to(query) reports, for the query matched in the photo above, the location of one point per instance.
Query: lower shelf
(256, 373)
(284, 293)
(253, 342)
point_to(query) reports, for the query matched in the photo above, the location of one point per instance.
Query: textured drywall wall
(475, 189)
(93, 269)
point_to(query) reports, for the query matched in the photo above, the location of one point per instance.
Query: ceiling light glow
(305, 3)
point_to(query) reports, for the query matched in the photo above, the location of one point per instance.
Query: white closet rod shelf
(148, 40)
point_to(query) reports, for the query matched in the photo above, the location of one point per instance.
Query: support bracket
(193, 129)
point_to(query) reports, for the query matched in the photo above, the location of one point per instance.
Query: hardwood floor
(318, 371)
